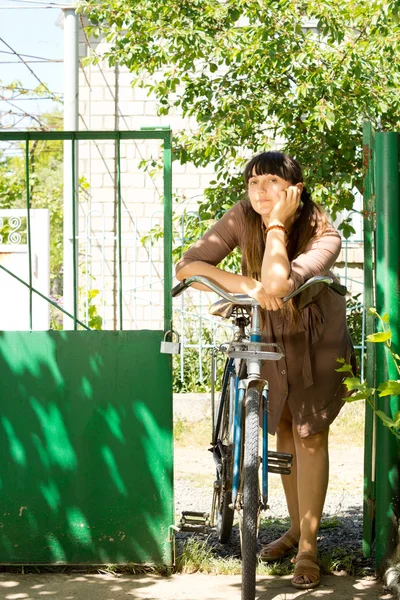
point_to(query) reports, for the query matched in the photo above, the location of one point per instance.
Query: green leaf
(360, 395)
(385, 419)
(345, 369)
(385, 318)
(93, 293)
(396, 419)
(352, 383)
(389, 388)
(381, 336)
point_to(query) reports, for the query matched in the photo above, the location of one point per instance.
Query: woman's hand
(285, 210)
(254, 289)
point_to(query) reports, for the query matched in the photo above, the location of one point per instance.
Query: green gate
(86, 467)
(382, 290)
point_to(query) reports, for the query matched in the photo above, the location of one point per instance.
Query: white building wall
(108, 102)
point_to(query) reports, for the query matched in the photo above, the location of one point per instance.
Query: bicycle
(236, 422)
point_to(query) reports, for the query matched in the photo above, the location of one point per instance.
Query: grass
(201, 480)
(192, 435)
(197, 556)
(330, 523)
(129, 568)
(338, 560)
(349, 425)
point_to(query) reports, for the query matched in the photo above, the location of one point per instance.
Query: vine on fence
(361, 390)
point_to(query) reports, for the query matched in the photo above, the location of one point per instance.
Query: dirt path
(195, 473)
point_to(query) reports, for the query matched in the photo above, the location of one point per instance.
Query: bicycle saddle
(225, 309)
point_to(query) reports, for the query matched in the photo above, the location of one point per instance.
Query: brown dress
(305, 378)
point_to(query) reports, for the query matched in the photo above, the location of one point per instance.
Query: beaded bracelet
(281, 227)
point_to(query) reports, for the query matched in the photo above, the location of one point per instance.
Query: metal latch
(170, 347)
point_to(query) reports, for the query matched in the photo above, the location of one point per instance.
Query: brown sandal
(306, 566)
(283, 546)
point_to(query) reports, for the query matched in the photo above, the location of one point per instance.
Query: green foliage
(94, 319)
(386, 388)
(45, 187)
(192, 383)
(250, 73)
(354, 318)
(180, 428)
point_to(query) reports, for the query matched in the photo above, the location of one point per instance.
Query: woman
(285, 239)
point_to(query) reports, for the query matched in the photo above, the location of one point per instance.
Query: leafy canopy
(250, 72)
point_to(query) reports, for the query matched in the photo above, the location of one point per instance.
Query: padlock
(170, 347)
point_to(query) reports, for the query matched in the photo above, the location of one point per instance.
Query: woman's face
(264, 191)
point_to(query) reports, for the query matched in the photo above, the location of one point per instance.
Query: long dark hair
(311, 221)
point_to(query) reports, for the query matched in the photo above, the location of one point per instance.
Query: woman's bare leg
(312, 482)
(285, 443)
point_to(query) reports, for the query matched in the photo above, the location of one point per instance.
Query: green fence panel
(369, 212)
(86, 467)
(387, 301)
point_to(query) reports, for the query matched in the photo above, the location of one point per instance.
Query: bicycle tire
(225, 513)
(250, 495)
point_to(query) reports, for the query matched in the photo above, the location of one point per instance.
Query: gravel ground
(340, 534)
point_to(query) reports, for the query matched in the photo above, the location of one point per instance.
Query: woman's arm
(317, 259)
(230, 282)
(204, 256)
(275, 270)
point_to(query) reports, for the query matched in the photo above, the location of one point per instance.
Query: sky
(29, 29)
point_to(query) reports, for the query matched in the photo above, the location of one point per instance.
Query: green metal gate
(86, 468)
(382, 290)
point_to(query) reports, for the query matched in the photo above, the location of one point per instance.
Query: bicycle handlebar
(245, 300)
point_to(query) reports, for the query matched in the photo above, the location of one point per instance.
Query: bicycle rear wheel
(224, 511)
(250, 495)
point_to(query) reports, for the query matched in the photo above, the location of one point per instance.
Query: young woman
(285, 239)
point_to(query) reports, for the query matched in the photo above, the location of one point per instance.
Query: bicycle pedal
(279, 470)
(280, 456)
(194, 521)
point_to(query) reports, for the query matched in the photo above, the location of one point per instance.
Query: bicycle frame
(239, 392)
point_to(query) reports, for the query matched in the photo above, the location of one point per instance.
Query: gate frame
(381, 152)
(160, 132)
(164, 134)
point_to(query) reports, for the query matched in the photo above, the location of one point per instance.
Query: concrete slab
(178, 587)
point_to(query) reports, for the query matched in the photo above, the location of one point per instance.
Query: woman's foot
(279, 548)
(306, 572)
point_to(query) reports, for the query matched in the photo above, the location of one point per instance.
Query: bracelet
(281, 227)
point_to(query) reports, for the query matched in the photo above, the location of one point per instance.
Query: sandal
(280, 548)
(306, 566)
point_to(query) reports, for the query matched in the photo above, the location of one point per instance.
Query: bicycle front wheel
(250, 495)
(225, 511)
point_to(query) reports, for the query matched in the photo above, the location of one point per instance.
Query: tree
(251, 72)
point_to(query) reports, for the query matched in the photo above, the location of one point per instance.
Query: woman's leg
(285, 443)
(312, 483)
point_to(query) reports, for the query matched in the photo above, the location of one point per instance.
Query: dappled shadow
(85, 447)
(184, 587)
